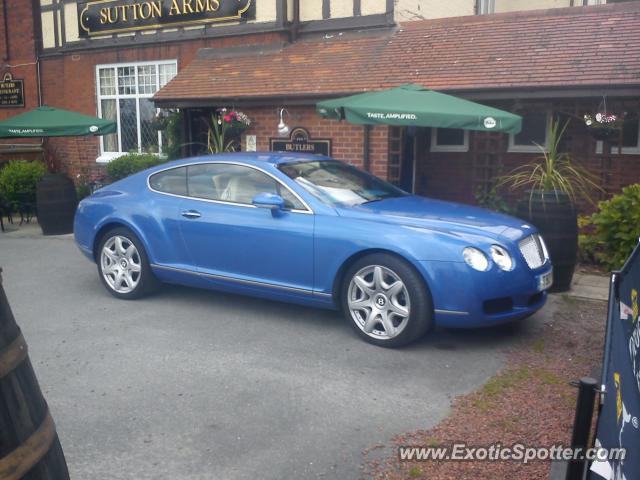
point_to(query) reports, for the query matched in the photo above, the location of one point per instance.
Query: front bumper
(466, 298)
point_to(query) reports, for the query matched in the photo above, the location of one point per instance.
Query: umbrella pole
(365, 147)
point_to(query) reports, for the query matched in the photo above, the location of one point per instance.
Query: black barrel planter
(554, 215)
(56, 204)
(29, 445)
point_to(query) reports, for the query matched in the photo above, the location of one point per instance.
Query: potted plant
(552, 184)
(602, 125)
(225, 130)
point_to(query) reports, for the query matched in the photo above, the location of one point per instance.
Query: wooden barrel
(56, 201)
(557, 221)
(29, 445)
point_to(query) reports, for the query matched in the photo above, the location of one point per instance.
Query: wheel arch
(107, 227)
(336, 290)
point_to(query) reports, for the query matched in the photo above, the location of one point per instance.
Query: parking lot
(192, 384)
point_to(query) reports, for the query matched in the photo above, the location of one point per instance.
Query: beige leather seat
(241, 190)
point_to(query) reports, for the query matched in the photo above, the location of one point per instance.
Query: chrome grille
(533, 250)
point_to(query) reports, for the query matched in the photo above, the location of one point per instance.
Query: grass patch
(498, 385)
(538, 345)
(415, 472)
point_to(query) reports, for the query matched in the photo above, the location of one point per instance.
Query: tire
(373, 302)
(130, 276)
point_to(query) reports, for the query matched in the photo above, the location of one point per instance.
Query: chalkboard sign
(11, 92)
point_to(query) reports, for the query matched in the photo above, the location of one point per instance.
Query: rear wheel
(385, 301)
(123, 265)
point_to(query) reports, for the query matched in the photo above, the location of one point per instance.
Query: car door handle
(191, 214)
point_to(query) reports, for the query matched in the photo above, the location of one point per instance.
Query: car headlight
(501, 257)
(475, 259)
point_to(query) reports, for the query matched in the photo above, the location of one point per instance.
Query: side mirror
(268, 200)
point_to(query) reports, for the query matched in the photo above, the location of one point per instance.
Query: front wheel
(386, 301)
(123, 265)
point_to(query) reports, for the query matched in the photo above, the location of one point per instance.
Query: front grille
(533, 250)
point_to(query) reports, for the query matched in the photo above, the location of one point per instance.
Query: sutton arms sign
(102, 17)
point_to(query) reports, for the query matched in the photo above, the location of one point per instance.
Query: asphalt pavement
(193, 384)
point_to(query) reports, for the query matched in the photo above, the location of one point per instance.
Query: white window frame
(486, 7)
(435, 147)
(620, 150)
(513, 148)
(106, 157)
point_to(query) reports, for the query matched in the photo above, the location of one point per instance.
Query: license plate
(545, 280)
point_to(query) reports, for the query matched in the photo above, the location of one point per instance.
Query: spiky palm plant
(554, 173)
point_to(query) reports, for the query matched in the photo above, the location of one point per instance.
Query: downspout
(5, 53)
(366, 160)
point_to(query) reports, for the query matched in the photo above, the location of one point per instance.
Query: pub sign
(11, 92)
(301, 142)
(103, 17)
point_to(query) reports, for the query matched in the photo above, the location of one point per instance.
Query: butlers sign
(103, 17)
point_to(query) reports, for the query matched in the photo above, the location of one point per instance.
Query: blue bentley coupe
(315, 231)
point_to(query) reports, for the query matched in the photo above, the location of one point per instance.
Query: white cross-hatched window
(124, 95)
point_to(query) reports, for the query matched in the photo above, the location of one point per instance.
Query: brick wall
(455, 176)
(347, 139)
(18, 57)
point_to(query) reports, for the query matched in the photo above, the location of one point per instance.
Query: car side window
(236, 184)
(172, 181)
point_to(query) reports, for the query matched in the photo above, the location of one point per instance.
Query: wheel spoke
(370, 322)
(130, 252)
(117, 283)
(110, 254)
(398, 309)
(134, 267)
(364, 286)
(394, 289)
(378, 278)
(388, 324)
(360, 304)
(119, 247)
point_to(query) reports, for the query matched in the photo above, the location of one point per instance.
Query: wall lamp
(283, 128)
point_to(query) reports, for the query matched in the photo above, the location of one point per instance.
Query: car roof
(274, 158)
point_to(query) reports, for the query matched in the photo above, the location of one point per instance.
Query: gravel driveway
(190, 384)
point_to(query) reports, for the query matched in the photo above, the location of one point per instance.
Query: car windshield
(338, 183)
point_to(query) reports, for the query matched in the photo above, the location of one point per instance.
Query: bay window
(124, 94)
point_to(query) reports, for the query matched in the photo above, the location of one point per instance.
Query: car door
(230, 239)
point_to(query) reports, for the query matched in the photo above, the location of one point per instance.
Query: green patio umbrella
(54, 122)
(414, 105)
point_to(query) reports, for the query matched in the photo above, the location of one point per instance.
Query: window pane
(147, 79)
(631, 132)
(534, 130)
(235, 183)
(128, 125)
(450, 137)
(109, 112)
(148, 133)
(107, 81)
(167, 72)
(127, 80)
(170, 181)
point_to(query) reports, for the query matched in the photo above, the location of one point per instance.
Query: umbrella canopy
(54, 122)
(414, 105)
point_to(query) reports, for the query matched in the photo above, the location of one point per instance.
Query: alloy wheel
(379, 302)
(120, 264)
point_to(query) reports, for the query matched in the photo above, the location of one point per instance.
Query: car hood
(433, 214)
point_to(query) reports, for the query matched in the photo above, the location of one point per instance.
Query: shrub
(18, 180)
(614, 228)
(492, 200)
(131, 163)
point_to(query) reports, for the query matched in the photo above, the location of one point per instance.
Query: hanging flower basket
(225, 130)
(603, 126)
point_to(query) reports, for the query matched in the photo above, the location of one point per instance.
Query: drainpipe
(5, 53)
(366, 160)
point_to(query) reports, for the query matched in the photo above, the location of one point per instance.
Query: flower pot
(57, 201)
(555, 216)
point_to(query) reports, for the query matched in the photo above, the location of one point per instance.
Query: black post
(582, 425)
